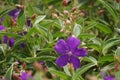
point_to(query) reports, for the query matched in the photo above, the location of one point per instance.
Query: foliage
(41, 23)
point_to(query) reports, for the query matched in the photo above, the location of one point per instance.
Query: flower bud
(20, 6)
(101, 11)
(67, 22)
(66, 2)
(65, 12)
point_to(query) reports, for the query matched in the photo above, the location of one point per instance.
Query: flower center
(70, 53)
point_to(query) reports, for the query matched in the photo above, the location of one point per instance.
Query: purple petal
(2, 27)
(23, 33)
(14, 13)
(80, 52)
(23, 45)
(5, 39)
(109, 78)
(28, 23)
(61, 47)
(11, 42)
(73, 43)
(62, 60)
(75, 61)
(1, 20)
(26, 76)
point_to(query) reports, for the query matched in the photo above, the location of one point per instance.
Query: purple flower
(109, 78)
(28, 23)
(69, 52)
(26, 76)
(22, 44)
(2, 27)
(5, 39)
(11, 42)
(23, 33)
(1, 20)
(14, 13)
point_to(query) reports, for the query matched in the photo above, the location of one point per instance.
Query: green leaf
(39, 18)
(37, 76)
(90, 59)
(94, 46)
(117, 75)
(104, 28)
(110, 9)
(6, 11)
(8, 74)
(67, 70)
(77, 29)
(107, 58)
(10, 34)
(109, 43)
(83, 69)
(118, 52)
(30, 9)
(21, 18)
(86, 35)
(60, 74)
(91, 25)
(41, 58)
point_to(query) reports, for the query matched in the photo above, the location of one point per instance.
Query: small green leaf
(8, 74)
(104, 28)
(37, 76)
(86, 35)
(83, 69)
(110, 9)
(41, 58)
(109, 43)
(39, 18)
(59, 73)
(107, 58)
(21, 18)
(117, 75)
(77, 30)
(67, 70)
(118, 52)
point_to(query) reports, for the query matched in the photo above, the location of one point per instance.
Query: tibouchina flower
(22, 44)
(69, 52)
(28, 23)
(109, 78)
(26, 76)
(5, 39)
(11, 42)
(14, 14)
(2, 27)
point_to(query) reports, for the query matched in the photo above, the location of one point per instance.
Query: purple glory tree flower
(109, 78)
(22, 44)
(11, 42)
(5, 39)
(2, 27)
(28, 23)
(14, 13)
(1, 20)
(23, 33)
(26, 76)
(69, 52)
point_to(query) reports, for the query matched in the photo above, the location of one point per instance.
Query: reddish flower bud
(66, 2)
(33, 16)
(118, 1)
(101, 11)
(20, 6)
